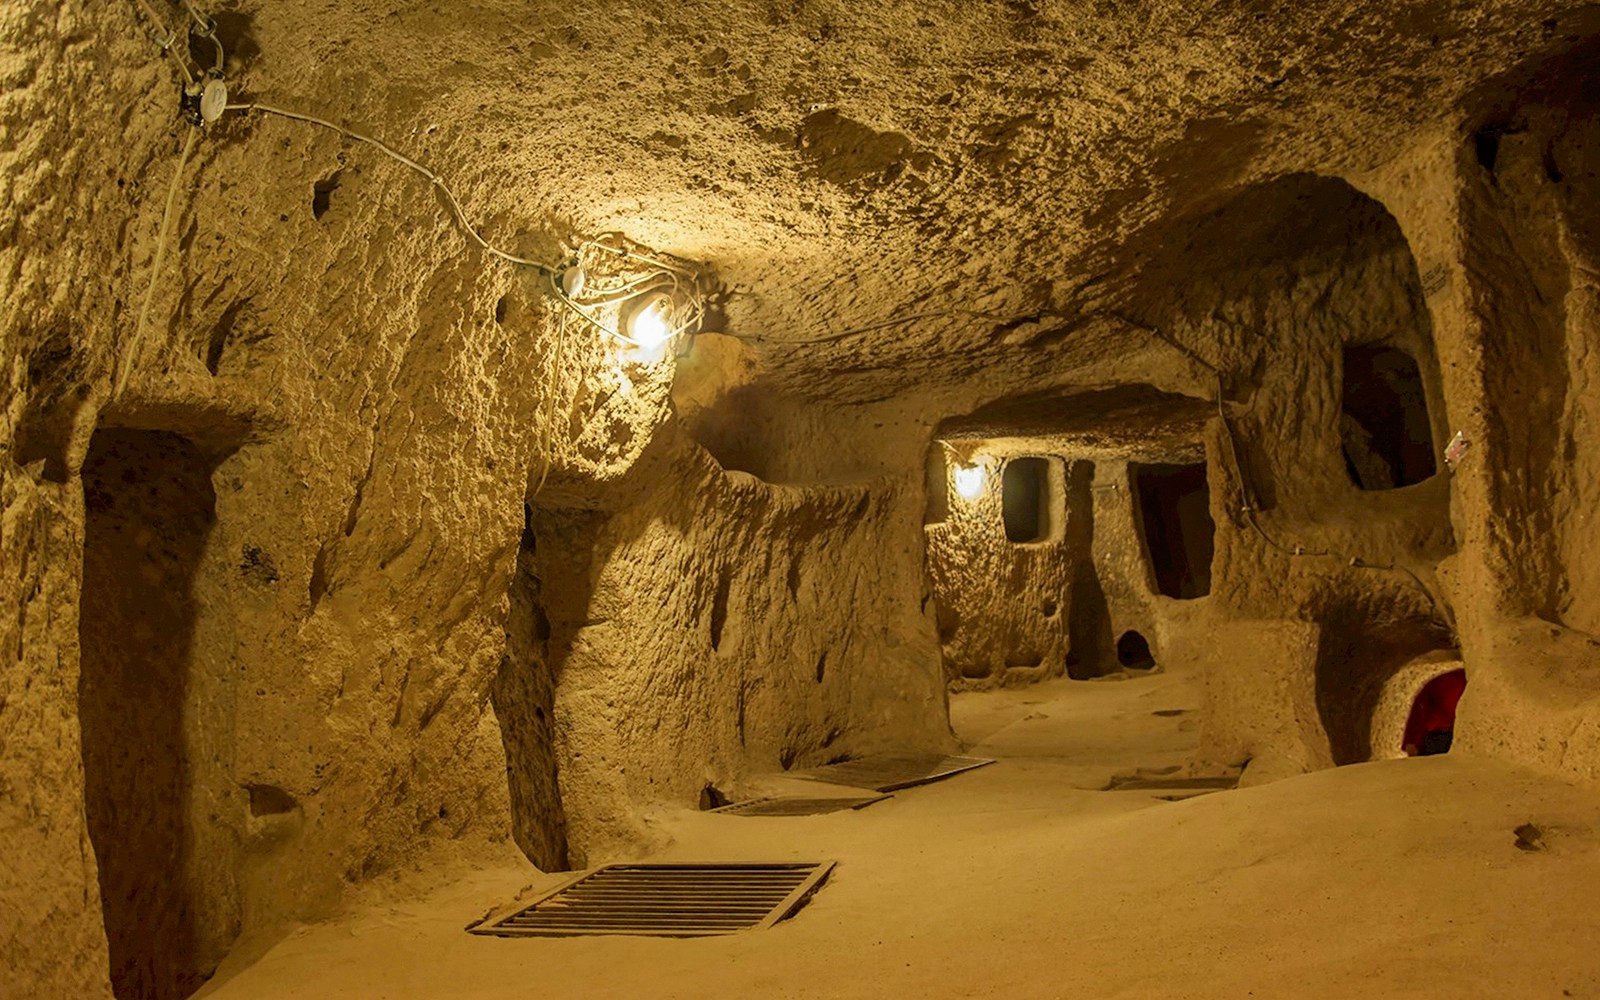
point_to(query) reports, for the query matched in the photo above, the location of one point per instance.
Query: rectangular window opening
(1028, 500)
(1384, 424)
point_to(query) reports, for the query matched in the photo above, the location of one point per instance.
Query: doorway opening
(523, 697)
(1088, 617)
(149, 508)
(1430, 728)
(1174, 517)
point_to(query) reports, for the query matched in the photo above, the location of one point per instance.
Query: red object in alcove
(1434, 711)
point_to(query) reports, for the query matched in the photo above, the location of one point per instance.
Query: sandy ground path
(1395, 879)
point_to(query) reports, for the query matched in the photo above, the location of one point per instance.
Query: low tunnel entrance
(1430, 728)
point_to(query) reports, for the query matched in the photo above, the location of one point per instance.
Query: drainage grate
(797, 806)
(678, 900)
(888, 772)
(1175, 788)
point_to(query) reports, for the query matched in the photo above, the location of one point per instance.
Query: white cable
(207, 25)
(399, 157)
(134, 347)
(555, 290)
(629, 255)
(166, 39)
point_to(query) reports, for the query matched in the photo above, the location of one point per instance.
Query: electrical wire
(666, 272)
(598, 244)
(628, 290)
(401, 158)
(165, 38)
(207, 28)
(136, 345)
(206, 24)
(565, 300)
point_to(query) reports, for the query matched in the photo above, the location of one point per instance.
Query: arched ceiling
(994, 167)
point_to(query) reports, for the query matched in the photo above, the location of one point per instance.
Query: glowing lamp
(648, 322)
(969, 480)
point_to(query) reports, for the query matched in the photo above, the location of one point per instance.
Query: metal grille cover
(797, 806)
(888, 772)
(1174, 788)
(665, 900)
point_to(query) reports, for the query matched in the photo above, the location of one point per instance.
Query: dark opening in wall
(1089, 642)
(1387, 435)
(322, 194)
(1364, 645)
(523, 695)
(1133, 651)
(1430, 728)
(1025, 501)
(936, 484)
(1174, 511)
(149, 506)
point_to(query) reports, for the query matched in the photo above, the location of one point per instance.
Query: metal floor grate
(797, 806)
(888, 772)
(1174, 788)
(669, 900)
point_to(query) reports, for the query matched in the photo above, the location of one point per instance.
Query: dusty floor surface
(1393, 879)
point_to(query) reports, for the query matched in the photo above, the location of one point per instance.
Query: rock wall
(1003, 607)
(1264, 294)
(1519, 314)
(404, 444)
(427, 564)
(718, 627)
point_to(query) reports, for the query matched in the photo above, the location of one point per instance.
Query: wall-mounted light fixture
(970, 479)
(648, 321)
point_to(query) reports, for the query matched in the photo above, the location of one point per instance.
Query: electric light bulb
(969, 480)
(647, 323)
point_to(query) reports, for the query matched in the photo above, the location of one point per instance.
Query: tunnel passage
(1089, 645)
(1384, 424)
(1365, 646)
(1430, 728)
(523, 696)
(1174, 517)
(149, 508)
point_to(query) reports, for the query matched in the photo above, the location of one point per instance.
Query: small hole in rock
(269, 800)
(322, 195)
(1133, 651)
(711, 797)
(1529, 837)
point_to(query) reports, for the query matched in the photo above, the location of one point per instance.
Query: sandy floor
(1396, 879)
